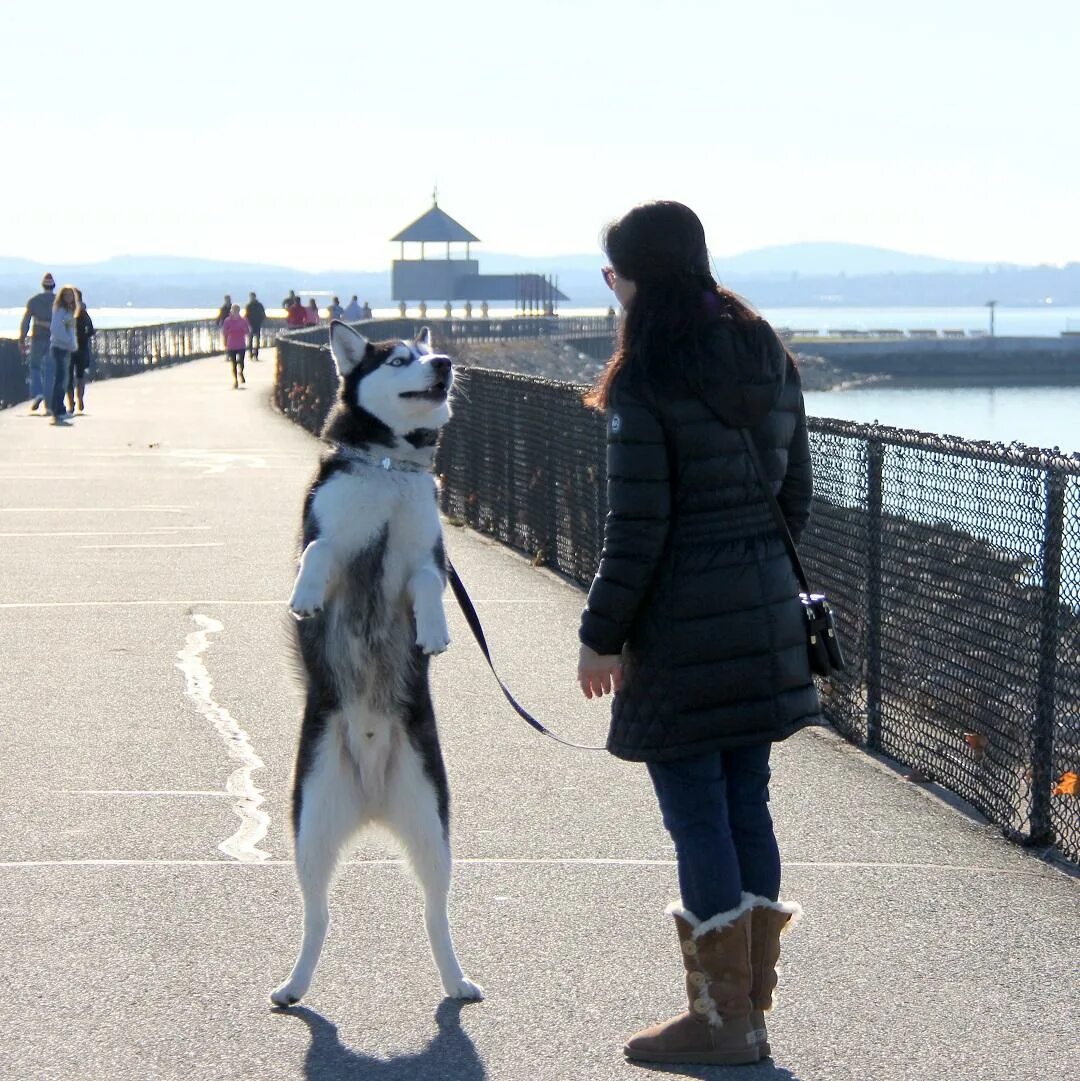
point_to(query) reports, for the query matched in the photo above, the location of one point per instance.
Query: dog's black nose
(441, 366)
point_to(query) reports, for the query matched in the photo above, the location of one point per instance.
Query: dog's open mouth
(435, 393)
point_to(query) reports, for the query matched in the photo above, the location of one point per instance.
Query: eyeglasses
(608, 274)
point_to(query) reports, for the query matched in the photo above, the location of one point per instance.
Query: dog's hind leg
(412, 813)
(330, 814)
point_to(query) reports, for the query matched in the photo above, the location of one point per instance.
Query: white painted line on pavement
(85, 510)
(267, 451)
(157, 531)
(143, 863)
(190, 544)
(806, 864)
(134, 604)
(140, 792)
(254, 823)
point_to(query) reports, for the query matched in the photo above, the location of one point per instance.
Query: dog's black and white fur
(368, 602)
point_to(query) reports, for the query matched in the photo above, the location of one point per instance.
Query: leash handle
(469, 612)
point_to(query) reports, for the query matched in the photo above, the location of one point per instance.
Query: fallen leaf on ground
(977, 742)
(1069, 785)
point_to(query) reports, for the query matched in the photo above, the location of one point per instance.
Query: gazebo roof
(436, 224)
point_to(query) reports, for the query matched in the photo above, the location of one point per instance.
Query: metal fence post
(875, 462)
(1042, 749)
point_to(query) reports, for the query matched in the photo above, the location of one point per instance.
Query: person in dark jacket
(693, 619)
(255, 314)
(80, 359)
(34, 341)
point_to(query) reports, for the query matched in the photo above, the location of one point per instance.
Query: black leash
(466, 605)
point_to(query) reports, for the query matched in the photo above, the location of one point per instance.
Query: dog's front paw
(288, 994)
(433, 635)
(305, 602)
(465, 989)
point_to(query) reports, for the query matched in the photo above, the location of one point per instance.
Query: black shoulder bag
(822, 643)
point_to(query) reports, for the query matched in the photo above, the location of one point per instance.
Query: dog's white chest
(357, 509)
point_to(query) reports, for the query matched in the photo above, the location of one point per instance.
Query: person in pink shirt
(236, 329)
(312, 313)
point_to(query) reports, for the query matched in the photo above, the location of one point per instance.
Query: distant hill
(179, 281)
(777, 261)
(815, 260)
(818, 274)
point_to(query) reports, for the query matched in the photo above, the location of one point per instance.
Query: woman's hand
(598, 674)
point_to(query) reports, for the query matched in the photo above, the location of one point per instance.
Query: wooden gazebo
(452, 279)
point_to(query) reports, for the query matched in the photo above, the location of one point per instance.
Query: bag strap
(778, 514)
(468, 610)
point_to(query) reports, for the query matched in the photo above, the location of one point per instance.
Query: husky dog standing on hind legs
(368, 604)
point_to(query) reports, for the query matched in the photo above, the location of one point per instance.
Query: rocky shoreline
(563, 362)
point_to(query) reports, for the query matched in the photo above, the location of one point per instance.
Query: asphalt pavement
(147, 899)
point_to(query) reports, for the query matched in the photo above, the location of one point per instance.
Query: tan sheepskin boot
(768, 921)
(717, 1028)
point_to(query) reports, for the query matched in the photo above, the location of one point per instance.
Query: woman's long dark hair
(660, 247)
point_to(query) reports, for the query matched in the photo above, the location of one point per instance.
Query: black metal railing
(120, 351)
(306, 383)
(13, 385)
(954, 567)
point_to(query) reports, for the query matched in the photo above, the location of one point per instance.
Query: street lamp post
(991, 304)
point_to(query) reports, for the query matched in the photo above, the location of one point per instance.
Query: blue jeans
(48, 376)
(61, 361)
(39, 350)
(716, 808)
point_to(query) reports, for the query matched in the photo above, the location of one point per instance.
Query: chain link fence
(954, 568)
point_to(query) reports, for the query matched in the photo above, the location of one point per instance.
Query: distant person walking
(62, 343)
(335, 310)
(352, 311)
(223, 311)
(290, 300)
(365, 311)
(36, 321)
(255, 314)
(295, 314)
(312, 313)
(80, 359)
(236, 329)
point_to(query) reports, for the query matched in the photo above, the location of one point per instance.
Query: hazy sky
(307, 135)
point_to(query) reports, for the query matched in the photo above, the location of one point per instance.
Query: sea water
(1043, 321)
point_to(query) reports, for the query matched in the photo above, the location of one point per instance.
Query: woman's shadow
(450, 1055)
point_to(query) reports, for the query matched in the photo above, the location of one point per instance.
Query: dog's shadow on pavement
(449, 1056)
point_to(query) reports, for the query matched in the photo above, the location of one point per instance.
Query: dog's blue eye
(397, 362)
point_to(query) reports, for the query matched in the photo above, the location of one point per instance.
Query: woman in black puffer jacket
(694, 618)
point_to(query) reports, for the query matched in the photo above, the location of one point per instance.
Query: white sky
(278, 132)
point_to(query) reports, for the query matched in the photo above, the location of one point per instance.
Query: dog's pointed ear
(347, 347)
(422, 341)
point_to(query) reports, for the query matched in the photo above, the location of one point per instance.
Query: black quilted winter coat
(694, 587)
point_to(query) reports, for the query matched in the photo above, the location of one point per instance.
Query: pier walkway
(147, 897)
